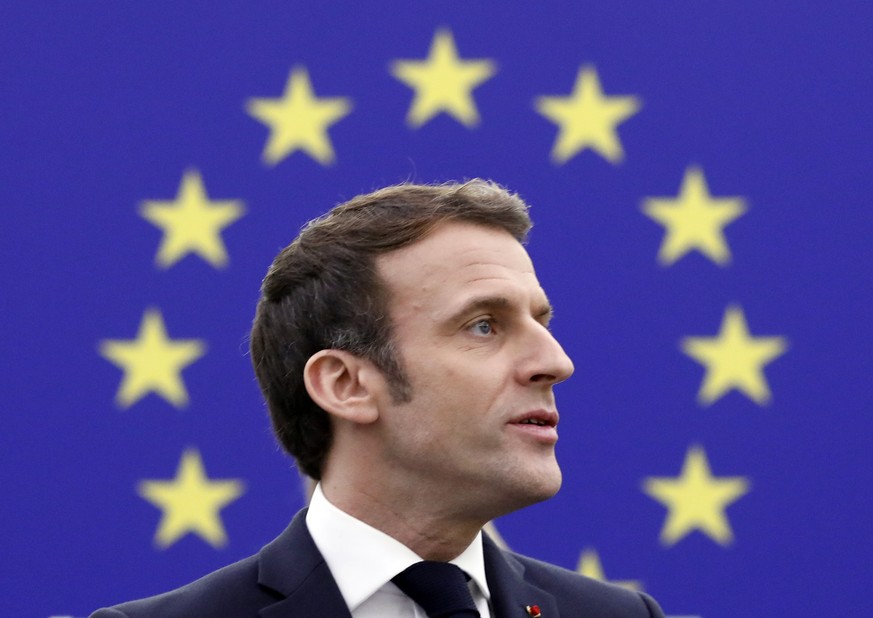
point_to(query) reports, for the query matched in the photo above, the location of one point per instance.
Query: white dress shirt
(363, 560)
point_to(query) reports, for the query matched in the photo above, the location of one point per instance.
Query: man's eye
(482, 327)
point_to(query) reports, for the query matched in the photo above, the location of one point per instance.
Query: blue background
(105, 105)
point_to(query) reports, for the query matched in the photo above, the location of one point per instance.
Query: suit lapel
(292, 567)
(510, 593)
(294, 570)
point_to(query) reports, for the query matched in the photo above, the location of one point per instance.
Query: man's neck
(422, 523)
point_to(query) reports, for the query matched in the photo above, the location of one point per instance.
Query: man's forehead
(457, 259)
(455, 246)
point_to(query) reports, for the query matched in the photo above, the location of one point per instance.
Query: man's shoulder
(229, 591)
(573, 591)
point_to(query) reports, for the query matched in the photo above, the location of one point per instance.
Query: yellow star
(587, 119)
(589, 566)
(694, 220)
(299, 120)
(443, 82)
(734, 359)
(696, 500)
(152, 362)
(191, 223)
(190, 502)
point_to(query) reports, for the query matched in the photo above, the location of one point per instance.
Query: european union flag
(700, 180)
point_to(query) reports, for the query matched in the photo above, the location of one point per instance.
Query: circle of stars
(443, 83)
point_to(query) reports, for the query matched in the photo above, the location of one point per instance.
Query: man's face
(470, 323)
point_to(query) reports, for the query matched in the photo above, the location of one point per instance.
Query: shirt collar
(349, 546)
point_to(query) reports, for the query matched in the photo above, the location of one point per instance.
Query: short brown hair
(323, 292)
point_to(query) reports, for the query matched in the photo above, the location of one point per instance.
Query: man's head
(325, 292)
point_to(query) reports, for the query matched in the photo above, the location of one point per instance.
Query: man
(402, 345)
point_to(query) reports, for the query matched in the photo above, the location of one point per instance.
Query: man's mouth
(540, 425)
(541, 418)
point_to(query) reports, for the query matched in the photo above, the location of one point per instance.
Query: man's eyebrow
(546, 312)
(479, 303)
(543, 312)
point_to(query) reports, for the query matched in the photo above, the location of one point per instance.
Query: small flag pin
(533, 611)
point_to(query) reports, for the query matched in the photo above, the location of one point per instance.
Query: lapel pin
(533, 611)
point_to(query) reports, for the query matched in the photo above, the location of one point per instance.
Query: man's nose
(546, 363)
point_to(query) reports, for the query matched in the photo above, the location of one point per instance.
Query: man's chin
(538, 486)
(550, 486)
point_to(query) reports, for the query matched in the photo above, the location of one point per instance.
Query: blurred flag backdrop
(700, 179)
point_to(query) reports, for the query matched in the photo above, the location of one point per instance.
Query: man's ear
(343, 385)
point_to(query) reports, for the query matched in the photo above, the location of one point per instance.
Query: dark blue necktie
(440, 588)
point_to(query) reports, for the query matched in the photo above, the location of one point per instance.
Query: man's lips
(538, 424)
(540, 418)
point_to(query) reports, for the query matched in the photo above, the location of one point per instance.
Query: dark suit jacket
(288, 578)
